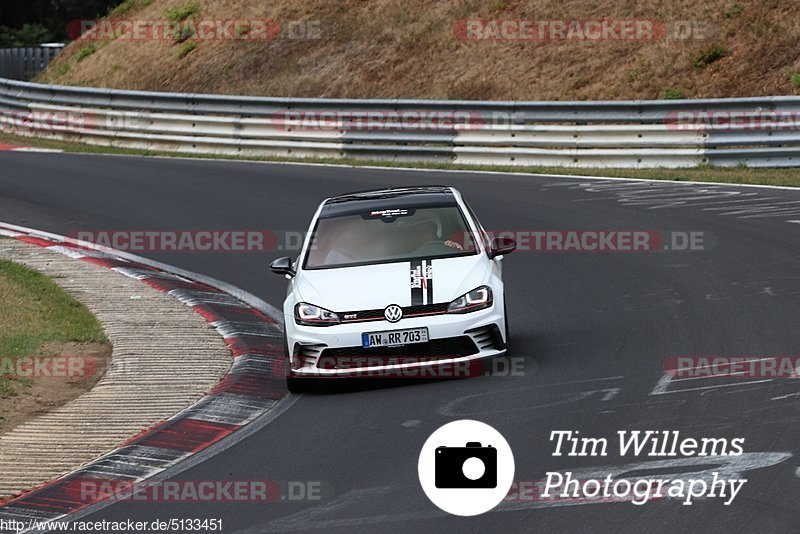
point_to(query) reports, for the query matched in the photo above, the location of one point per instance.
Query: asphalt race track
(593, 331)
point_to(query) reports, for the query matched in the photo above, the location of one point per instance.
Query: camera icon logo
(466, 467)
(472, 466)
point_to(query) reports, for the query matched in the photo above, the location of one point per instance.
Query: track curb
(253, 386)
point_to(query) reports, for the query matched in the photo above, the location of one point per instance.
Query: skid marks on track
(710, 378)
(490, 402)
(346, 511)
(720, 199)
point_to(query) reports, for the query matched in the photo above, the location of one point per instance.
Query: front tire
(300, 385)
(505, 320)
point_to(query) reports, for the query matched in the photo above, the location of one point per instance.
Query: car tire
(300, 385)
(505, 320)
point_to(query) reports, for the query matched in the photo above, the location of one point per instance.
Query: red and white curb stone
(253, 385)
(16, 148)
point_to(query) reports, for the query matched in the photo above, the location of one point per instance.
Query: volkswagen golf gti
(393, 282)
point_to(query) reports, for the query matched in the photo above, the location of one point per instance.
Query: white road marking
(34, 149)
(782, 397)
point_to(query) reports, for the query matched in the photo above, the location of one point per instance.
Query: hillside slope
(418, 49)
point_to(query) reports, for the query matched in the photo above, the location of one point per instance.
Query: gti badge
(393, 313)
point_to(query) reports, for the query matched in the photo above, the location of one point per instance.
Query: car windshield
(389, 235)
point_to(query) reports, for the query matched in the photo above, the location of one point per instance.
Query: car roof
(387, 199)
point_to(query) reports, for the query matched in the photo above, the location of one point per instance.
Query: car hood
(372, 287)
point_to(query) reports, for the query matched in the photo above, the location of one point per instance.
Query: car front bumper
(458, 344)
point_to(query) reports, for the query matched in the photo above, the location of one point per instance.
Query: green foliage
(796, 82)
(674, 93)
(61, 70)
(709, 55)
(179, 14)
(734, 11)
(85, 52)
(186, 49)
(52, 15)
(27, 35)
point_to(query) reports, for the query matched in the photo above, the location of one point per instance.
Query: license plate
(394, 338)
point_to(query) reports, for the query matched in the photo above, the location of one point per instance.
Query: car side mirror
(501, 246)
(282, 266)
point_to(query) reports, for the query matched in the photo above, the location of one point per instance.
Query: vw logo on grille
(393, 313)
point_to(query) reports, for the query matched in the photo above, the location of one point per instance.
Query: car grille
(436, 349)
(421, 310)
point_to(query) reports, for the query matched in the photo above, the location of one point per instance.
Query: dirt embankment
(501, 50)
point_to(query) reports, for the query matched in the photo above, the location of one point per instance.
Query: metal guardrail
(23, 63)
(660, 133)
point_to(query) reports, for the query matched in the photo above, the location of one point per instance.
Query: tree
(36, 21)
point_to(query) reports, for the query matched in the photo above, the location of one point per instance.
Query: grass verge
(36, 315)
(731, 175)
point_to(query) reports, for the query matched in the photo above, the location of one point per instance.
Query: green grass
(709, 55)
(732, 175)
(734, 11)
(674, 93)
(186, 49)
(796, 83)
(61, 70)
(179, 14)
(34, 310)
(85, 52)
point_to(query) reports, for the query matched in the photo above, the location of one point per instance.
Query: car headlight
(477, 299)
(310, 315)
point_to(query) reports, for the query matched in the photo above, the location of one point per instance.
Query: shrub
(796, 82)
(179, 14)
(85, 52)
(734, 11)
(710, 55)
(674, 93)
(186, 49)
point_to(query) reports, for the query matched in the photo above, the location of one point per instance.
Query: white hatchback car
(393, 282)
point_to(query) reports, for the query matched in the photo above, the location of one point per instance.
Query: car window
(389, 235)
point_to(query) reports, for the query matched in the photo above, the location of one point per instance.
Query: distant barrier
(754, 132)
(23, 63)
